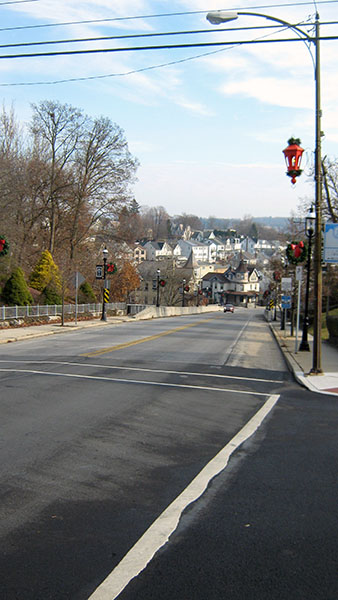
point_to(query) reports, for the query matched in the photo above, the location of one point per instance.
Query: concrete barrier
(154, 312)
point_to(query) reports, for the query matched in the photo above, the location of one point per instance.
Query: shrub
(86, 294)
(45, 273)
(50, 295)
(16, 291)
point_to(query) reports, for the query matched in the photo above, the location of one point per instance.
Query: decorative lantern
(293, 157)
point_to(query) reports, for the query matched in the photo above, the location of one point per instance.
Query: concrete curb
(293, 366)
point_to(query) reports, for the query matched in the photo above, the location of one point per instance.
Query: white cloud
(273, 91)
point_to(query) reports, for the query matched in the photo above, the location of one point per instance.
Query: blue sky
(208, 132)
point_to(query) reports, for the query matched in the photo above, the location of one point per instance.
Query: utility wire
(147, 35)
(18, 2)
(126, 73)
(159, 47)
(157, 16)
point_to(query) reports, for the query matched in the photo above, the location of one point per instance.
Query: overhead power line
(159, 47)
(153, 16)
(18, 2)
(147, 35)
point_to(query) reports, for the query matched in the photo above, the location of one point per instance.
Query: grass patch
(325, 332)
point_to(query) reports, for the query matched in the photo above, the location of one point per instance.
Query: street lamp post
(309, 231)
(183, 290)
(219, 16)
(158, 288)
(105, 254)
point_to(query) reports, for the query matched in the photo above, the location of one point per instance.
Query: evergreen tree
(134, 207)
(45, 273)
(15, 291)
(86, 294)
(50, 295)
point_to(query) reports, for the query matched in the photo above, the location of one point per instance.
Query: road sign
(99, 271)
(299, 273)
(286, 301)
(77, 279)
(286, 284)
(105, 295)
(331, 243)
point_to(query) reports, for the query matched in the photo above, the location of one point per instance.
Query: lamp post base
(304, 346)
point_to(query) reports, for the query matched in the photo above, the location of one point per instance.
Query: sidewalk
(300, 363)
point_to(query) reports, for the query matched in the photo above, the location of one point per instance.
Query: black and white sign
(99, 271)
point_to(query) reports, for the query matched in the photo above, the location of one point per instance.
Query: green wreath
(4, 246)
(296, 252)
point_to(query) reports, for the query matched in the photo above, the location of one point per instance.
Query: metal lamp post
(309, 231)
(105, 254)
(216, 18)
(183, 290)
(158, 288)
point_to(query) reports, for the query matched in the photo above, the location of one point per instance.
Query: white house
(158, 250)
(186, 247)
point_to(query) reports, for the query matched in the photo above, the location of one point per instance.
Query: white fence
(54, 310)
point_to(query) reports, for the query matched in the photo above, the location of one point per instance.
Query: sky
(207, 124)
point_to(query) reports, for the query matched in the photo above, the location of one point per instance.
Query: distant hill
(278, 223)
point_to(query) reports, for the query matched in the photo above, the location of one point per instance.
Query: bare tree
(330, 195)
(102, 174)
(57, 129)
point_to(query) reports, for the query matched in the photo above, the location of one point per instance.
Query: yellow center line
(146, 339)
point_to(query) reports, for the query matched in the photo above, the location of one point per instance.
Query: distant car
(229, 308)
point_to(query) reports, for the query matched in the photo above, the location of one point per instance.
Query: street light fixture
(158, 288)
(220, 16)
(104, 254)
(309, 231)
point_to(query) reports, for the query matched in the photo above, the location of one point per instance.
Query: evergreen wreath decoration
(296, 252)
(4, 246)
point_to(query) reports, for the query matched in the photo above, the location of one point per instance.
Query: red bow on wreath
(297, 249)
(2, 244)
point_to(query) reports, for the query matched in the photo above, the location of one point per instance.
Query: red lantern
(293, 157)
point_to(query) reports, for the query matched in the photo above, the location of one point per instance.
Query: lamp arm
(307, 39)
(302, 34)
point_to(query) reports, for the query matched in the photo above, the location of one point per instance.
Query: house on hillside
(158, 250)
(238, 286)
(185, 248)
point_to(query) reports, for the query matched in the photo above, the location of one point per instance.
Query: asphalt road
(103, 429)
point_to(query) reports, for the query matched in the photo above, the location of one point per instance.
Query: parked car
(229, 308)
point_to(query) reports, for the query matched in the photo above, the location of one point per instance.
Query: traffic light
(162, 282)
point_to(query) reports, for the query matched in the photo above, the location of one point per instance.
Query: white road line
(134, 381)
(159, 532)
(142, 369)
